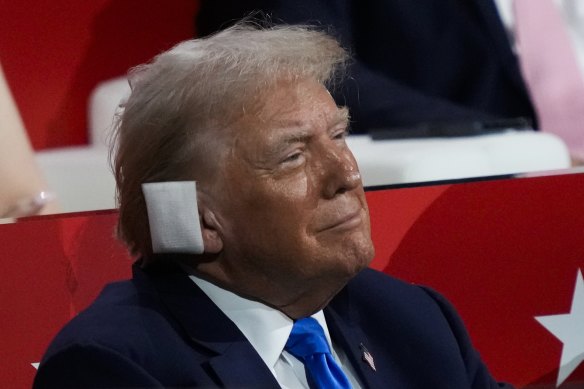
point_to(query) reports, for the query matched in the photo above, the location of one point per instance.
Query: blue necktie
(308, 343)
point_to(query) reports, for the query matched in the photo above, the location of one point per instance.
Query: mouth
(346, 222)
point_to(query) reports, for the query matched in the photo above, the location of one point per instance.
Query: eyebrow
(343, 116)
(281, 142)
(296, 131)
(299, 133)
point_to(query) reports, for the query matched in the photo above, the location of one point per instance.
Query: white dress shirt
(572, 12)
(268, 329)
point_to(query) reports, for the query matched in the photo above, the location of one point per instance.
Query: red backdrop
(55, 52)
(502, 251)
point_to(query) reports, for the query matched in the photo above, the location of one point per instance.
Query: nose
(340, 172)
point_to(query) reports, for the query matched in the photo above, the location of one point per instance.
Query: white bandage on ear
(174, 217)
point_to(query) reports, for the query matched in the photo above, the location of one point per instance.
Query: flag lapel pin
(367, 357)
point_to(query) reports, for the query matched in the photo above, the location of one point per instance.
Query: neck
(296, 299)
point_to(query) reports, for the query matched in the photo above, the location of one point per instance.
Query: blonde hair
(181, 99)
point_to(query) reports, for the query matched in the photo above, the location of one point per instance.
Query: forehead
(304, 104)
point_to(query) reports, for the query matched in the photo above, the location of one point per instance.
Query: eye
(340, 134)
(293, 159)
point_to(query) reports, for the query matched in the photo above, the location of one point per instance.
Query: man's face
(290, 201)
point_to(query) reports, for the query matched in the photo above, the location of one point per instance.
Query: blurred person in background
(414, 62)
(23, 190)
(447, 64)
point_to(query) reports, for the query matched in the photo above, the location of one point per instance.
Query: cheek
(272, 206)
(292, 192)
(289, 204)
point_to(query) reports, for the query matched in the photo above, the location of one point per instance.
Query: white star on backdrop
(569, 329)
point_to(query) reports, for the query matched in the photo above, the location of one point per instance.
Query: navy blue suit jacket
(415, 61)
(161, 330)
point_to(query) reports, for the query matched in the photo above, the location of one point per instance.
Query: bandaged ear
(173, 217)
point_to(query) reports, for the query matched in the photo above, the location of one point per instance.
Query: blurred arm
(21, 181)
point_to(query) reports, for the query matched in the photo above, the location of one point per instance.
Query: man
(277, 240)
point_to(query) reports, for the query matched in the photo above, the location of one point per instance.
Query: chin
(357, 257)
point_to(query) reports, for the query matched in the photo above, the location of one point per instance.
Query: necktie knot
(308, 343)
(307, 338)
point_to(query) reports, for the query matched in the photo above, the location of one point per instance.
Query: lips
(347, 220)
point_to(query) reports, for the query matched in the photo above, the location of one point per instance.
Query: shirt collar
(266, 328)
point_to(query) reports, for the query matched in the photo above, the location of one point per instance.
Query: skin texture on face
(287, 215)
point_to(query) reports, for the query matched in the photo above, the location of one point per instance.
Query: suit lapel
(345, 332)
(231, 357)
(248, 372)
